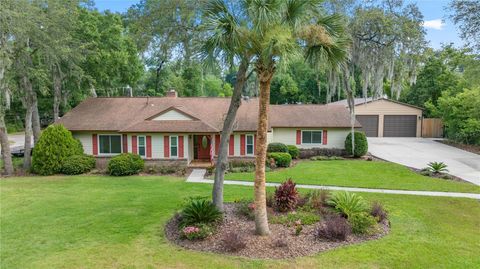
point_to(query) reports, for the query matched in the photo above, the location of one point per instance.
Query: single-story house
(182, 129)
(387, 118)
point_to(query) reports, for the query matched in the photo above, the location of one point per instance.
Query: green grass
(352, 173)
(106, 222)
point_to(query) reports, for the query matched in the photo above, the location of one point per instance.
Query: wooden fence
(432, 127)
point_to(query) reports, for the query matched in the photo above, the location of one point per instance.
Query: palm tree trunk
(261, 221)
(6, 154)
(222, 160)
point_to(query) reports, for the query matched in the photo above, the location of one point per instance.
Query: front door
(202, 144)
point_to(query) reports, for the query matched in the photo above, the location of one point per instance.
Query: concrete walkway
(198, 176)
(418, 152)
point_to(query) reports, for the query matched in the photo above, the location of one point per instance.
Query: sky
(439, 28)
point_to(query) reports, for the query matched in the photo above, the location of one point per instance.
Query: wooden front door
(203, 149)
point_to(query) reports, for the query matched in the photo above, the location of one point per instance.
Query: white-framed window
(109, 144)
(141, 144)
(249, 144)
(312, 137)
(174, 146)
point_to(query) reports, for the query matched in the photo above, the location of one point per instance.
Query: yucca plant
(437, 167)
(347, 203)
(199, 211)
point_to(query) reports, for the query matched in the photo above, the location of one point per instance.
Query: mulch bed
(444, 176)
(265, 247)
(470, 148)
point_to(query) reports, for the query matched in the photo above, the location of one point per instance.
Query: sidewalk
(197, 176)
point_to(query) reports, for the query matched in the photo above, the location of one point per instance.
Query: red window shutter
(242, 144)
(231, 146)
(325, 137)
(217, 144)
(149, 147)
(134, 144)
(180, 146)
(166, 146)
(299, 137)
(125, 143)
(94, 145)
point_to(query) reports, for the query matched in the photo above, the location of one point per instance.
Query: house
(183, 129)
(387, 118)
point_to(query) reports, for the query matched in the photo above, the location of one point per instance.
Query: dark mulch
(470, 148)
(444, 176)
(265, 247)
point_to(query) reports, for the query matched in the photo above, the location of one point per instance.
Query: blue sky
(439, 28)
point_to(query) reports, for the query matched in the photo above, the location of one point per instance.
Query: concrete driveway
(418, 152)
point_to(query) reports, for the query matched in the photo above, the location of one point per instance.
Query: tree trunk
(27, 158)
(261, 221)
(93, 92)
(57, 93)
(6, 154)
(35, 120)
(222, 160)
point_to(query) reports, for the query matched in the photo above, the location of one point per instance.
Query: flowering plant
(251, 206)
(298, 227)
(193, 232)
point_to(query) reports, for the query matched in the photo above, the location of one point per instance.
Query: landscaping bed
(281, 243)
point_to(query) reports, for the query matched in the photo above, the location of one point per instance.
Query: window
(311, 137)
(174, 146)
(110, 144)
(249, 144)
(141, 146)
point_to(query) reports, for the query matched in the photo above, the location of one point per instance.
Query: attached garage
(387, 118)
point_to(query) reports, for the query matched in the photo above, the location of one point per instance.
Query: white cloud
(437, 24)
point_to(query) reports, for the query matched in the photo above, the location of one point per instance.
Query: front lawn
(107, 222)
(355, 173)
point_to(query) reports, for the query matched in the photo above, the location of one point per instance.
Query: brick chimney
(172, 93)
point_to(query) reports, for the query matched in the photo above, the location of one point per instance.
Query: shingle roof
(133, 114)
(361, 101)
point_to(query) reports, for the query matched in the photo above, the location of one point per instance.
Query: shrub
(361, 144)
(125, 164)
(277, 147)
(334, 228)
(270, 199)
(362, 223)
(437, 167)
(199, 211)
(308, 153)
(281, 159)
(293, 151)
(298, 227)
(78, 164)
(306, 218)
(246, 208)
(201, 231)
(347, 203)
(378, 212)
(318, 198)
(233, 242)
(286, 196)
(55, 144)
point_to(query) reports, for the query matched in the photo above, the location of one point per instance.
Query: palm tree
(270, 32)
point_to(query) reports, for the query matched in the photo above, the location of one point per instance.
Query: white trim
(109, 154)
(170, 146)
(317, 130)
(246, 145)
(144, 145)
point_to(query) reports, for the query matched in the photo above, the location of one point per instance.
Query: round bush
(281, 159)
(277, 147)
(293, 151)
(361, 144)
(78, 164)
(125, 164)
(55, 144)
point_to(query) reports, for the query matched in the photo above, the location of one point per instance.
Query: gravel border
(265, 247)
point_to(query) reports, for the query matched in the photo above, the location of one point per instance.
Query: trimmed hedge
(361, 144)
(281, 159)
(55, 144)
(293, 151)
(125, 164)
(277, 147)
(78, 164)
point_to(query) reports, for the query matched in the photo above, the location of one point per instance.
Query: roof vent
(172, 93)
